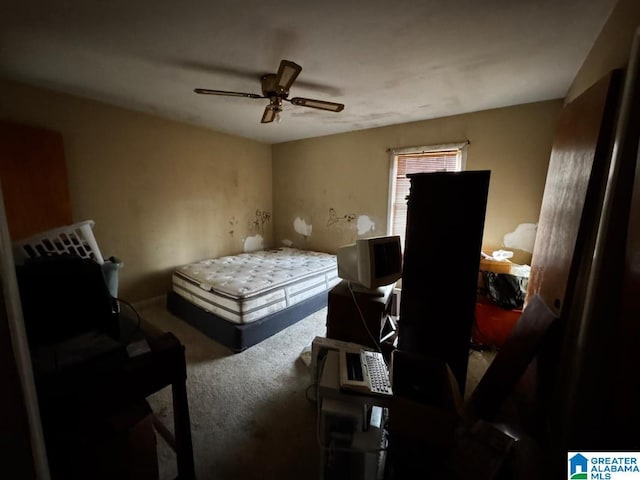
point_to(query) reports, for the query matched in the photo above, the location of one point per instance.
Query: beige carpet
(250, 415)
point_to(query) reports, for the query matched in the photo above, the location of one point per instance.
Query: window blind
(448, 161)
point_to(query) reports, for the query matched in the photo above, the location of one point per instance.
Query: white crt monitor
(371, 262)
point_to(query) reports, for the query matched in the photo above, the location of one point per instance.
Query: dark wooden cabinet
(348, 314)
(445, 223)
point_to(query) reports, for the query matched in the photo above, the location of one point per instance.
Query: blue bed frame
(238, 337)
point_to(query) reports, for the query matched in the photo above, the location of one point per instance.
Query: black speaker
(445, 223)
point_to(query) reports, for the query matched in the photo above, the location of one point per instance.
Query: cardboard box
(495, 266)
(520, 257)
(511, 266)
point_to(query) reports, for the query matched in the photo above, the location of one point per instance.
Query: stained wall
(329, 191)
(162, 193)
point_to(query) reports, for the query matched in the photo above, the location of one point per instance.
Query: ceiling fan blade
(287, 74)
(269, 115)
(319, 104)
(205, 91)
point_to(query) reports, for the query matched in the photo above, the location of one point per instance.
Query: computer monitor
(371, 262)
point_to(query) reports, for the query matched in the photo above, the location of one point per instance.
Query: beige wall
(162, 193)
(350, 173)
(611, 49)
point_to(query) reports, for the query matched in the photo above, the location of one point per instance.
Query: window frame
(394, 153)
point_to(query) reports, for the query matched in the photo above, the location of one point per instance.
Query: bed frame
(239, 337)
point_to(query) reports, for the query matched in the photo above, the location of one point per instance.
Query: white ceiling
(388, 61)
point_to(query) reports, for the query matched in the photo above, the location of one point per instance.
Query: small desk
(345, 323)
(80, 395)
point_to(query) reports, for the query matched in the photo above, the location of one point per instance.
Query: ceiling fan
(275, 87)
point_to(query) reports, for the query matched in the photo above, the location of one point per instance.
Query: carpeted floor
(250, 415)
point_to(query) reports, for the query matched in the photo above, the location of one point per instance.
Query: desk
(76, 396)
(351, 427)
(345, 323)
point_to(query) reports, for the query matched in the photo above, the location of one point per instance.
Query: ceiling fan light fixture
(272, 111)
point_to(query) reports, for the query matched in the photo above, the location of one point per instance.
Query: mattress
(247, 287)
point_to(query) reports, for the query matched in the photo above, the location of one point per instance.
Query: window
(438, 158)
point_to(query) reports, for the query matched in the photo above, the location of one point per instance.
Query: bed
(240, 300)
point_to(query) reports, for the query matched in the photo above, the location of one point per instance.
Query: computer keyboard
(378, 372)
(365, 372)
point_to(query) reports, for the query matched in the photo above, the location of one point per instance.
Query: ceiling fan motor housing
(270, 87)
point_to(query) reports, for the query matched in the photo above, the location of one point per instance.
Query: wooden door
(573, 191)
(34, 179)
